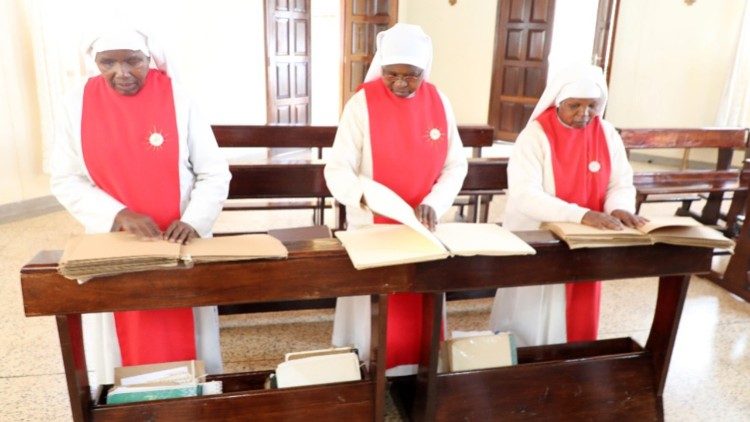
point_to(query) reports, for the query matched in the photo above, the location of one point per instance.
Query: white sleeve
(211, 172)
(345, 159)
(620, 190)
(69, 180)
(454, 170)
(526, 181)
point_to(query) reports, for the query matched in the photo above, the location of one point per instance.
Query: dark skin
(577, 113)
(424, 213)
(402, 79)
(125, 71)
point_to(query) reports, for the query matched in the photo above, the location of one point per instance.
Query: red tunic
(573, 151)
(115, 132)
(409, 147)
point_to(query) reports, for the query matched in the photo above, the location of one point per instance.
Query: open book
(391, 244)
(673, 230)
(92, 255)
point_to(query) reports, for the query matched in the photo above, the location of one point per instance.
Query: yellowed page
(656, 223)
(387, 203)
(388, 244)
(468, 239)
(246, 246)
(116, 245)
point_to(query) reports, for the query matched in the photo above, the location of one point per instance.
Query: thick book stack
(392, 244)
(672, 230)
(94, 255)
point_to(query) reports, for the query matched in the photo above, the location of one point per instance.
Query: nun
(567, 165)
(136, 156)
(399, 130)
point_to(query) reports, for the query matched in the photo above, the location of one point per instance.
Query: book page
(116, 245)
(468, 239)
(387, 203)
(576, 229)
(381, 245)
(655, 223)
(234, 247)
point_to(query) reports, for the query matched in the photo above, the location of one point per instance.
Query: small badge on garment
(435, 134)
(594, 166)
(156, 139)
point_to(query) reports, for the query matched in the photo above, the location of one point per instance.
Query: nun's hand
(629, 219)
(180, 232)
(426, 215)
(601, 220)
(140, 225)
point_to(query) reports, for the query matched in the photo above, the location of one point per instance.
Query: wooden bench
(486, 176)
(306, 195)
(686, 185)
(569, 377)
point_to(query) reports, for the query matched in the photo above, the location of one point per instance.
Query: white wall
(21, 175)
(463, 41)
(671, 61)
(326, 61)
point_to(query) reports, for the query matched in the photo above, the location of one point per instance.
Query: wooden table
(609, 378)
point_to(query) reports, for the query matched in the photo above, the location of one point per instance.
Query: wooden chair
(689, 185)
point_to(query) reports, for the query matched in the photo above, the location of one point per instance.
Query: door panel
(519, 72)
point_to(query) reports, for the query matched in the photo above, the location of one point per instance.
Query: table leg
(70, 332)
(425, 402)
(379, 306)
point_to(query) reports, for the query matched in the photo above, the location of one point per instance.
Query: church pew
(319, 137)
(568, 376)
(687, 184)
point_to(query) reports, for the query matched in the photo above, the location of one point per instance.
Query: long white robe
(351, 156)
(536, 314)
(204, 184)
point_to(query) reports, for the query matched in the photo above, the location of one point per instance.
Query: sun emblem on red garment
(156, 139)
(434, 134)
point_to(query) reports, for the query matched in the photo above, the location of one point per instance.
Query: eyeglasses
(408, 78)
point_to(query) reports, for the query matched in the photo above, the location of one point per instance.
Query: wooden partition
(606, 379)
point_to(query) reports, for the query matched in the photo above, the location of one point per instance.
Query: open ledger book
(673, 230)
(392, 244)
(93, 255)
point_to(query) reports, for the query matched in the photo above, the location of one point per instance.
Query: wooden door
(288, 61)
(363, 20)
(523, 35)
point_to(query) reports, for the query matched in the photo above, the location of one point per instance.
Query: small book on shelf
(472, 350)
(392, 244)
(161, 381)
(318, 367)
(674, 230)
(92, 255)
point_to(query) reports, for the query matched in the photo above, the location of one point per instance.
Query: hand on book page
(387, 203)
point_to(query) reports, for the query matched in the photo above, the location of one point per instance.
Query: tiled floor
(709, 378)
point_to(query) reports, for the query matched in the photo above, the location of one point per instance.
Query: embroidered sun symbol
(435, 134)
(156, 139)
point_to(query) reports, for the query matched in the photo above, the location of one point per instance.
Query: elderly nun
(567, 165)
(400, 131)
(137, 157)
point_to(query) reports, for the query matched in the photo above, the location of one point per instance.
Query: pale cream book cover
(323, 369)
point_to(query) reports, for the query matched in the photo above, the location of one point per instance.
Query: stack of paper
(673, 230)
(161, 381)
(479, 350)
(95, 255)
(318, 367)
(391, 244)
